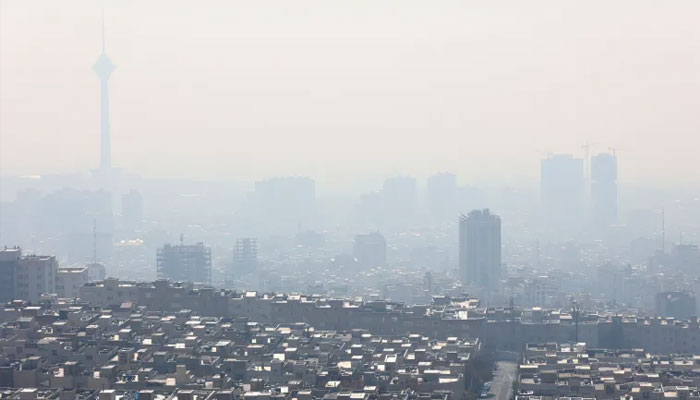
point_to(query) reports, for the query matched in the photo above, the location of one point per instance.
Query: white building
(69, 280)
(33, 276)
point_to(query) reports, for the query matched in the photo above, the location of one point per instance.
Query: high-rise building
(26, 277)
(370, 250)
(563, 192)
(442, 196)
(245, 256)
(9, 264)
(36, 276)
(604, 189)
(480, 248)
(132, 211)
(185, 263)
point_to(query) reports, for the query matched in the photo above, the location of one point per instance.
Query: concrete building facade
(604, 189)
(26, 277)
(480, 249)
(69, 280)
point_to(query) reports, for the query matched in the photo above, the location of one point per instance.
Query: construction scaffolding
(185, 263)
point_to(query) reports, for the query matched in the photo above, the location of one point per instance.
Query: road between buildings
(502, 383)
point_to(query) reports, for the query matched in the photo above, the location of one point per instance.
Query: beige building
(35, 275)
(69, 280)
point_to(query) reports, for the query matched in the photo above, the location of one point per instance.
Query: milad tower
(104, 68)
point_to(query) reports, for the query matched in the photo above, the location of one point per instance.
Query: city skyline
(420, 127)
(365, 200)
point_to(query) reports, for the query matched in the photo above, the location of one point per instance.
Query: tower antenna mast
(104, 67)
(102, 3)
(94, 240)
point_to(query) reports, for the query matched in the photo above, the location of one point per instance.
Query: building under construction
(185, 263)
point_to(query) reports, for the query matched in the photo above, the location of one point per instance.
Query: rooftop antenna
(94, 240)
(102, 5)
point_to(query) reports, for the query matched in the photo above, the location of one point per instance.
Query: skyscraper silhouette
(370, 250)
(480, 249)
(604, 189)
(245, 256)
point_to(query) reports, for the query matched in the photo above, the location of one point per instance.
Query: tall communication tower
(104, 68)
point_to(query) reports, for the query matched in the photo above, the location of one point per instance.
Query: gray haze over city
(333, 194)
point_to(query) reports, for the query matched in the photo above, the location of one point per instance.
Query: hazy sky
(340, 89)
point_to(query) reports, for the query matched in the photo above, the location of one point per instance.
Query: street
(502, 383)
